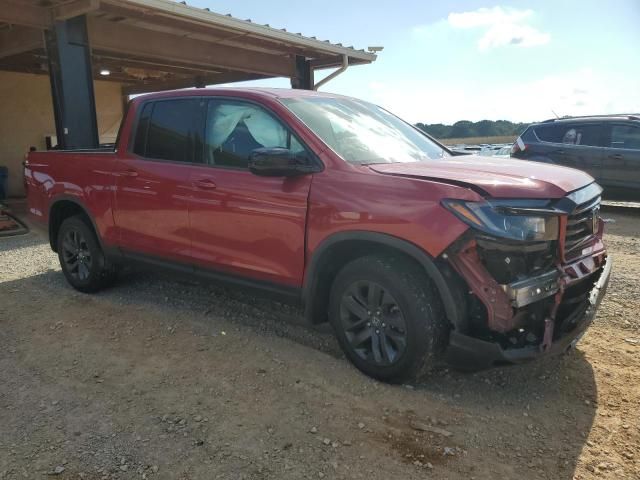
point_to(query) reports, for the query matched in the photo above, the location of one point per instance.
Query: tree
(466, 129)
(463, 129)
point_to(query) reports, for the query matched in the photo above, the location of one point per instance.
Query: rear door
(622, 159)
(152, 189)
(240, 223)
(578, 145)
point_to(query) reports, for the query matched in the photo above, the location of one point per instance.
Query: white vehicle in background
(503, 152)
(493, 150)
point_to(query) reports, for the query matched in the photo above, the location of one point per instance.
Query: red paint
(500, 178)
(268, 228)
(499, 311)
(249, 225)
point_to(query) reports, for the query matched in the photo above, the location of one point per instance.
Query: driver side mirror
(281, 162)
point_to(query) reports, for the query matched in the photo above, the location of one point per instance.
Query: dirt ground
(166, 379)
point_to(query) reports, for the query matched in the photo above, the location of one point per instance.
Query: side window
(591, 135)
(625, 136)
(586, 135)
(171, 130)
(234, 129)
(550, 133)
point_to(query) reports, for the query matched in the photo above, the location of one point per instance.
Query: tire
(82, 260)
(388, 318)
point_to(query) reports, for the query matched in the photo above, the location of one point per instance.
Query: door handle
(205, 184)
(616, 156)
(130, 172)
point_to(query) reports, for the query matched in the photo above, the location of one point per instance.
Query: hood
(499, 178)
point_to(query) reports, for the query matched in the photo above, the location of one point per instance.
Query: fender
(310, 287)
(85, 210)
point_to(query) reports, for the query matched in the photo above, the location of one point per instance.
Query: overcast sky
(473, 60)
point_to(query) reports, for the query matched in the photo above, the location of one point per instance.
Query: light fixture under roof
(104, 72)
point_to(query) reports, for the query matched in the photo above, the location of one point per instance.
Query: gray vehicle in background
(607, 147)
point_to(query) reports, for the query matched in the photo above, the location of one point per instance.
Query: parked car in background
(503, 152)
(606, 147)
(465, 149)
(495, 149)
(412, 254)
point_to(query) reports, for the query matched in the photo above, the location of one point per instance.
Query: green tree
(466, 129)
(463, 129)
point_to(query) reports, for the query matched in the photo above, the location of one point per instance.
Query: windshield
(363, 133)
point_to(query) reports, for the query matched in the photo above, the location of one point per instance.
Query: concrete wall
(26, 117)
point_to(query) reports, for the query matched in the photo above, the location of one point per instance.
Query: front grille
(582, 225)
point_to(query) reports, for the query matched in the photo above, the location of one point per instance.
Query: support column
(71, 79)
(303, 78)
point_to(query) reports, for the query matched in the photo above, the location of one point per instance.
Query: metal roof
(150, 45)
(182, 9)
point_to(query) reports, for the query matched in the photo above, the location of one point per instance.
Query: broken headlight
(524, 220)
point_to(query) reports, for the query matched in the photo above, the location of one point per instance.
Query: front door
(152, 189)
(242, 224)
(580, 146)
(622, 160)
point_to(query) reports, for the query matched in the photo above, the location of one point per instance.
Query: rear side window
(586, 135)
(171, 130)
(625, 136)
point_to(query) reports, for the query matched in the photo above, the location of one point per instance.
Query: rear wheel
(82, 260)
(388, 318)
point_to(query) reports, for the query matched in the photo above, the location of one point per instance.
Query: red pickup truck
(412, 253)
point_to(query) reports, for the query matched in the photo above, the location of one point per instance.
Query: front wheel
(388, 318)
(82, 260)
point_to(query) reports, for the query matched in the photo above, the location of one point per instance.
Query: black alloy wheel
(76, 255)
(373, 323)
(82, 259)
(388, 317)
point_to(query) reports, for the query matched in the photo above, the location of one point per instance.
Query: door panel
(574, 145)
(242, 223)
(583, 157)
(151, 207)
(248, 225)
(152, 189)
(621, 166)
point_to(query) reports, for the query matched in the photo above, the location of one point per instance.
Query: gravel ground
(165, 378)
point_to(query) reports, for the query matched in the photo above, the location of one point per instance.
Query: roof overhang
(160, 44)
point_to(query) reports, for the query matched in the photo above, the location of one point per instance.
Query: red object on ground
(9, 225)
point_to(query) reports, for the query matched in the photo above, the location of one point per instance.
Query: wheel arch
(63, 208)
(338, 249)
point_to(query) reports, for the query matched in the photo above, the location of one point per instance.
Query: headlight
(525, 220)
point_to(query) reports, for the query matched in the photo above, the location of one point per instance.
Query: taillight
(518, 147)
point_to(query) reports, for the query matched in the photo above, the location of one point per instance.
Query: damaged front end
(534, 274)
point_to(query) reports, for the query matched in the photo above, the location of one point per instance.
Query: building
(67, 67)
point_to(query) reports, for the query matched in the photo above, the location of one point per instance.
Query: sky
(473, 60)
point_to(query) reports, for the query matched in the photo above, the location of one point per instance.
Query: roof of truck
(251, 91)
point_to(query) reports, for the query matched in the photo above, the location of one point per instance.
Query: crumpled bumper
(469, 352)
